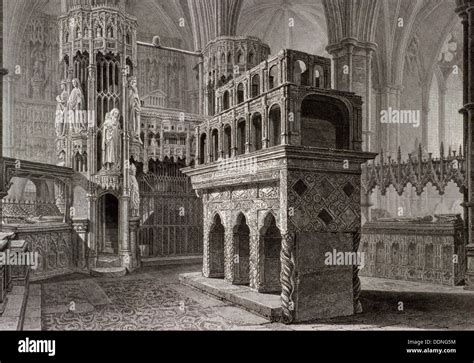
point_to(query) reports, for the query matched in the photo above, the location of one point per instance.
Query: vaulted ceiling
(297, 24)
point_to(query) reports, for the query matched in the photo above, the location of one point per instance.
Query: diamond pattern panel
(325, 203)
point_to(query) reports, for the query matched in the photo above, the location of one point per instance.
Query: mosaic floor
(153, 299)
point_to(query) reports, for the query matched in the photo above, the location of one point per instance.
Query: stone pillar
(221, 141)
(254, 260)
(201, 106)
(92, 243)
(465, 9)
(208, 146)
(353, 73)
(81, 228)
(134, 250)
(234, 137)
(442, 115)
(162, 144)
(8, 112)
(198, 147)
(388, 98)
(284, 120)
(248, 132)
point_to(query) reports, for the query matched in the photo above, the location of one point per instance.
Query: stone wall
(53, 242)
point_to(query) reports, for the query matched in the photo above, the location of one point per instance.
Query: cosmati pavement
(153, 299)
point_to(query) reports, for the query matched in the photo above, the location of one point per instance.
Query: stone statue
(38, 80)
(134, 192)
(61, 111)
(111, 141)
(76, 104)
(135, 108)
(153, 145)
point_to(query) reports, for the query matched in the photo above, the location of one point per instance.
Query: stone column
(198, 147)
(248, 132)
(92, 243)
(124, 206)
(388, 98)
(229, 254)
(284, 119)
(134, 250)
(8, 112)
(188, 147)
(442, 115)
(221, 141)
(465, 9)
(162, 144)
(208, 145)
(254, 260)
(265, 127)
(81, 228)
(353, 73)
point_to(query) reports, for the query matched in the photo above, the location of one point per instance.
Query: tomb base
(267, 306)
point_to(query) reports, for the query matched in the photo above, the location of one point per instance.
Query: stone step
(108, 261)
(108, 272)
(267, 306)
(170, 261)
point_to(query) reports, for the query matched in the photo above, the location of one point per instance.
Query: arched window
(274, 131)
(229, 59)
(241, 139)
(273, 77)
(256, 132)
(251, 58)
(300, 73)
(240, 93)
(240, 57)
(227, 142)
(225, 100)
(255, 86)
(203, 147)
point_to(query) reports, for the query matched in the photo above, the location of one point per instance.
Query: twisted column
(287, 279)
(356, 285)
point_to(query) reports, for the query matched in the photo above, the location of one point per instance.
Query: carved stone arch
(241, 247)
(115, 193)
(269, 250)
(216, 253)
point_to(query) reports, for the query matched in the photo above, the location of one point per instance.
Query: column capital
(355, 45)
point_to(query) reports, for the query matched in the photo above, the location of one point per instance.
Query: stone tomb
(274, 209)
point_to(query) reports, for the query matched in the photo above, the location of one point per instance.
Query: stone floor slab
(265, 305)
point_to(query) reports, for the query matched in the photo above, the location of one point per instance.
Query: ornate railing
(419, 170)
